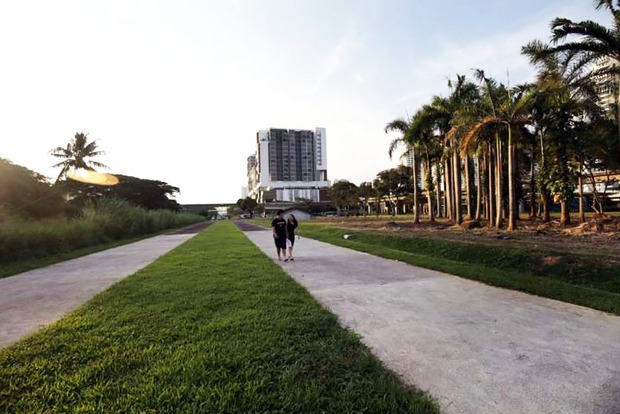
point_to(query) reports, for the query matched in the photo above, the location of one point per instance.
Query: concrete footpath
(34, 299)
(477, 349)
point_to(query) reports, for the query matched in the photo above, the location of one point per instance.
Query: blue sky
(176, 90)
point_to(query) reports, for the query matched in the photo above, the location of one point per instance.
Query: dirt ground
(596, 236)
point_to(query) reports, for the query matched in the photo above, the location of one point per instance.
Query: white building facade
(288, 165)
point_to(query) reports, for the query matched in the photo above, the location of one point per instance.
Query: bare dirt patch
(531, 233)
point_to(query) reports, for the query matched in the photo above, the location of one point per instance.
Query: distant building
(606, 86)
(289, 164)
(407, 159)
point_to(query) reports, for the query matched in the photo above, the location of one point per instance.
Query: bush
(105, 220)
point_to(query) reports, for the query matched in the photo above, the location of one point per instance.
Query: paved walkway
(34, 299)
(476, 348)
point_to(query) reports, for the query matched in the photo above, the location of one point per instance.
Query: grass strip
(438, 255)
(213, 326)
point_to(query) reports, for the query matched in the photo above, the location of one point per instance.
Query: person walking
(291, 225)
(278, 226)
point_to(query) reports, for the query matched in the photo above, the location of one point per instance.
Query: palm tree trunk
(499, 201)
(429, 189)
(532, 187)
(562, 159)
(512, 195)
(618, 105)
(544, 195)
(478, 188)
(544, 198)
(456, 171)
(468, 192)
(438, 187)
(447, 173)
(582, 213)
(564, 213)
(491, 171)
(416, 205)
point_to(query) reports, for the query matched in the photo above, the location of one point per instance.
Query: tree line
(488, 146)
(27, 194)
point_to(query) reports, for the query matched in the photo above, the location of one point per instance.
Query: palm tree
(402, 126)
(508, 115)
(568, 103)
(587, 47)
(76, 154)
(422, 136)
(443, 113)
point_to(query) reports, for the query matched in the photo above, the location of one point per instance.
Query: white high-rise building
(288, 165)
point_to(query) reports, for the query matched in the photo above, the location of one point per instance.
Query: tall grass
(100, 222)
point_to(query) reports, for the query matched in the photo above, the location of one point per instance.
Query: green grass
(105, 221)
(213, 326)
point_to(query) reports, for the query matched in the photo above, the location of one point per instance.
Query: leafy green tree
(394, 183)
(365, 192)
(247, 204)
(26, 194)
(344, 195)
(150, 194)
(76, 154)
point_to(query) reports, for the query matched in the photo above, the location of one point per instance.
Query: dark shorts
(292, 240)
(280, 242)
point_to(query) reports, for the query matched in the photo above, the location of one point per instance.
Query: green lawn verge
(583, 280)
(213, 326)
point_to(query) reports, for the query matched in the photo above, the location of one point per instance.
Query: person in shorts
(278, 226)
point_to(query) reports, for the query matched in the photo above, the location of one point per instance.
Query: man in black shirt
(278, 226)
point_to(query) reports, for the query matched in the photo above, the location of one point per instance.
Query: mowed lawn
(213, 326)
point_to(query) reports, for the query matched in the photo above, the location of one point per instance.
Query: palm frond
(399, 125)
(562, 27)
(393, 145)
(476, 130)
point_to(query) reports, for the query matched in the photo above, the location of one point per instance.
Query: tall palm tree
(565, 102)
(402, 126)
(444, 111)
(423, 137)
(76, 155)
(587, 47)
(508, 115)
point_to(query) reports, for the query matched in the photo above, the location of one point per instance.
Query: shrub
(105, 220)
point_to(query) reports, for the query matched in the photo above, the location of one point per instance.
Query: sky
(176, 90)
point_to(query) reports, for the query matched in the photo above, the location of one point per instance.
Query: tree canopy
(26, 194)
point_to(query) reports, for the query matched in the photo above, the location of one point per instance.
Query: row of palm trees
(500, 144)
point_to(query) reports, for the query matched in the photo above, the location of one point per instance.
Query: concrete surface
(477, 349)
(33, 299)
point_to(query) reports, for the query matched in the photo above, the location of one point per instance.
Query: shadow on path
(193, 229)
(245, 226)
